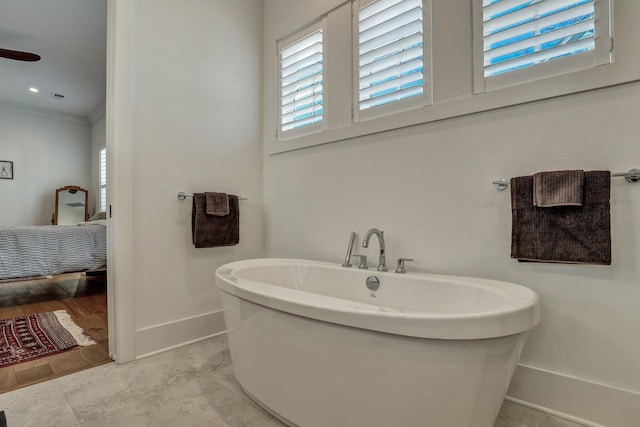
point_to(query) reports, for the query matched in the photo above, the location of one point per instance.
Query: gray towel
(559, 188)
(210, 231)
(563, 234)
(217, 203)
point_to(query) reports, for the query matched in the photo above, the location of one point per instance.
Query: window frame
(601, 55)
(308, 30)
(426, 98)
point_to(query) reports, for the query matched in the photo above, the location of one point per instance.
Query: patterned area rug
(30, 337)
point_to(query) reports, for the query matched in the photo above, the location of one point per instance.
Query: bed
(52, 249)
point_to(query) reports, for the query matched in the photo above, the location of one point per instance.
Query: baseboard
(575, 399)
(159, 338)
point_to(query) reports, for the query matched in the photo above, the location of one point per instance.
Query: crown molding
(99, 112)
(41, 112)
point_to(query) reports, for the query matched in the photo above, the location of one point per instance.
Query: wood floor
(84, 298)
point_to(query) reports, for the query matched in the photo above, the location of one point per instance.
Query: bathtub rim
(491, 324)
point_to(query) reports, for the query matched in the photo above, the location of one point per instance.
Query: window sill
(586, 80)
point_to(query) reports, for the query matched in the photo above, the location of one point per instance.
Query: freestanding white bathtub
(314, 346)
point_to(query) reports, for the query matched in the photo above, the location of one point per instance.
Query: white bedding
(51, 249)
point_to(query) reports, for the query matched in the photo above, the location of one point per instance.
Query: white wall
(429, 188)
(49, 151)
(196, 121)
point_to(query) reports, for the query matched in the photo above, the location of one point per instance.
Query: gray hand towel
(563, 234)
(210, 231)
(559, 188)
(217, 203)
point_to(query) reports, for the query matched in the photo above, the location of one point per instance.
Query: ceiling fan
(19, 56)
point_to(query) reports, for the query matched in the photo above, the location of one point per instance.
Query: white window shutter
(103, 179)
(301, 78)
(527, 34)
(391, 59)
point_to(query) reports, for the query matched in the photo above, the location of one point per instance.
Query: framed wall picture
(6, 169)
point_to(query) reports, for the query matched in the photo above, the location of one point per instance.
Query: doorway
(66, 102)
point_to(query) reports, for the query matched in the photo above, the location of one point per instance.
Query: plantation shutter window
(301, 83)
(391, 53)
(103, 179)
(558, 35)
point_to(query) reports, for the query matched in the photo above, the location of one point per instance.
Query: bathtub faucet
(365, 244)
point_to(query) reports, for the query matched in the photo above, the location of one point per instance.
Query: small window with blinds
(521, 36)
(103, 179)
(391, 61)
(301, 88)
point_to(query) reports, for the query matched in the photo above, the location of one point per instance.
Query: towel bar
(632, 176)
(182, 195)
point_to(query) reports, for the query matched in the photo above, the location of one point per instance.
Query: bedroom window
(391, 61)
(103, 179)
(524, 40)
(301, 62)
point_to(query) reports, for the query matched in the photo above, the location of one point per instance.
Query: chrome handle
(363, 262)
(400, 268)
(347, 258)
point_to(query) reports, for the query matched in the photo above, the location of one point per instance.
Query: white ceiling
(70, 36)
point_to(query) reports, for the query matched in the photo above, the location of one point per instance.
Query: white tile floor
(189, 386)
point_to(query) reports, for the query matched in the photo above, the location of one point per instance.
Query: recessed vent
(57, 95)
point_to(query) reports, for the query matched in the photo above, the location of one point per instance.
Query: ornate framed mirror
(71, 206)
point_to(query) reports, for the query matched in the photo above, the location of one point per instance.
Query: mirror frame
(54, 219)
